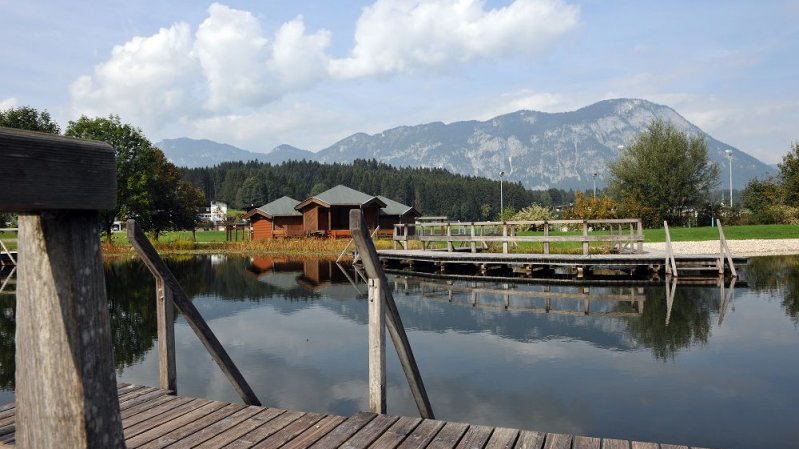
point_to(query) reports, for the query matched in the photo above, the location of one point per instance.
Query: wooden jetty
(66, 390)
(154, 418)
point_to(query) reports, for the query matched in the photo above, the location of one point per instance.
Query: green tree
(789, 175)
(763, 199)
(26, 117)
(253, 192)
(663, 169)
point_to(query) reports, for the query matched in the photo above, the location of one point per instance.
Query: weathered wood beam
(48, 172)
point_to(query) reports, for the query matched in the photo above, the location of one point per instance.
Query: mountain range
(539, 149)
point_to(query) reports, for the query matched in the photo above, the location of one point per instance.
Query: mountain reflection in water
(708, 367)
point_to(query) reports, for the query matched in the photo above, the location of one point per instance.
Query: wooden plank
(315, 432)
(557, 441)
(449, 436)
(343, 432)
(642, 445)
(163, 405)
(610, 443)
(133, 412)
(64, 355)
(377, 347)
(207, 432)
(370, 432)
(146, 398)
(264, 431)
(242, 428)
(502, 438)
(183, 427)
(366, 247)
(476, 437)
(49, 172)
(530, 440)
(586, 443)
(193, 318)
(286, 434)
(394, 435)
(672, 446)
(131, 429)
(171, 421)
(423, 434)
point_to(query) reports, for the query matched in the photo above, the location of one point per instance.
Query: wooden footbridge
(66, 390)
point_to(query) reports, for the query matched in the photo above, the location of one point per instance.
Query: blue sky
(307, 73)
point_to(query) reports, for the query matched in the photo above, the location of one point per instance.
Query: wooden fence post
(473, 242)
(505, 240)
(377, 348)
(396, 330)
(165, 310)
(66, 389)
(585, 235)
(546, 234)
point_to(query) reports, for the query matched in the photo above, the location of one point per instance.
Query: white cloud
(402, 35)
(8, 103)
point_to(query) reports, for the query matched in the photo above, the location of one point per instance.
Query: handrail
(724, 251)
(425, 233)
(169, 290)
(382, 305)
(355, 252)
(671, 264)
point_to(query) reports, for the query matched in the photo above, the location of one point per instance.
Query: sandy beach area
(745, 248)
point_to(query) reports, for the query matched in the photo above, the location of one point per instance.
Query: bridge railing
(623, 235)
(8, 246)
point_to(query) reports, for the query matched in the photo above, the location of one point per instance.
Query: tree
(763, 199)
(26, 117)
(664, 170)
(789, 175)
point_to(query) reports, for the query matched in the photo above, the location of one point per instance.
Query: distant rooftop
(396, 208)
(281, 207)
(341, 196)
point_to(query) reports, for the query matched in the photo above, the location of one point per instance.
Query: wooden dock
(152, 418)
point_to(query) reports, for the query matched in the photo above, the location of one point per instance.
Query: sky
(257, 74)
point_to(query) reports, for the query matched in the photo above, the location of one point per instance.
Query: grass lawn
(746, 232)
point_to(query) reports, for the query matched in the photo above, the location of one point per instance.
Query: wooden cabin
(395, 213)
(276, 219)
(328, 213)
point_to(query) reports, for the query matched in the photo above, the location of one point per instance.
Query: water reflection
(595, 360)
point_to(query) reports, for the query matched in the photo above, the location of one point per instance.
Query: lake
(595, 360)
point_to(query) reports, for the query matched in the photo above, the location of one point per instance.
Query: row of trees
(431, 191)
(150, 189)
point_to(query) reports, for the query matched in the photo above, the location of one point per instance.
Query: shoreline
(744, 248)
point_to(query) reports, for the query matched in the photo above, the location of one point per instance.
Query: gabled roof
(341, 196)
(396, 208)
(281, 207)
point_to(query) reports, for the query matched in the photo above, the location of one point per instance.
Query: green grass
(9, 239)
(743, 232)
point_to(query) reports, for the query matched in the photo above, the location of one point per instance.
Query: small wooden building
(276, 219)
(395, 213)
(328, 213)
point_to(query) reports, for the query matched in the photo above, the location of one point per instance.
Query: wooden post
(546, 234)
(193, 318)
(377, 348)
(66, 393)
(165, 310)
(449, 234)
(505, 238)
(640, 236)
(393, 321)
(473, 242)
(585, 240)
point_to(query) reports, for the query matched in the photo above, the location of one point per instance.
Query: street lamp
(501, 203)
(729, 156)
(594, 174)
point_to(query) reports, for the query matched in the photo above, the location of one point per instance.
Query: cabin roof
(396, 208)
(341, 196)
(281, 207)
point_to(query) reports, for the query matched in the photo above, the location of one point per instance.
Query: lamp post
(594, 174)
(729, 156)
(501, 202)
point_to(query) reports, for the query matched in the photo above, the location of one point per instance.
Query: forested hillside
(431, 191)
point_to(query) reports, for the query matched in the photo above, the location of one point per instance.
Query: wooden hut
(328, 213)
(276, 219)
(395, 213)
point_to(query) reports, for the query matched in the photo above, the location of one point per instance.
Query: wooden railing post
(546, 234)
(165, 311)
(505, 238)
(66, 390)
(377, 348)
(585, 235)
(193, 318)
(473, 242)
(640, 236)
(396, 330)
(449, 234)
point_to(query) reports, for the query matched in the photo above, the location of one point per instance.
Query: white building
(216, 213)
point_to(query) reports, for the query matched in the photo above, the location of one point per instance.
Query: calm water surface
(719, 373)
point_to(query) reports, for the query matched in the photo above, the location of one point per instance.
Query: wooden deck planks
(153, 418)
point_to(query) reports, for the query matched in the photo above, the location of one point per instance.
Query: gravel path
(745, 248)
